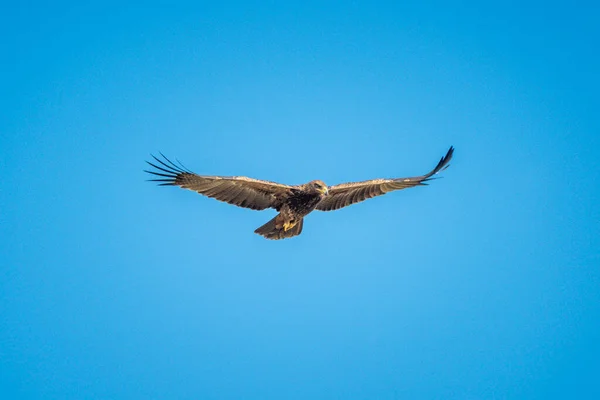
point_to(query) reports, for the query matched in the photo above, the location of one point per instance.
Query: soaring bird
(292, 202)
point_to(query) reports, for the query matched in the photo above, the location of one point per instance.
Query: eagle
(293, 202)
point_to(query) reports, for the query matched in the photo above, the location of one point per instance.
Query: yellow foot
(288, 225)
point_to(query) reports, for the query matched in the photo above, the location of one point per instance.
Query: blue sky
(484, 284)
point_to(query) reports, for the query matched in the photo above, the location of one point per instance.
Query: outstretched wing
(237, 190)
(349, 193)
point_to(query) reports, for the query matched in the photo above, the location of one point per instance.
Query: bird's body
(300, 201)
(292, 202)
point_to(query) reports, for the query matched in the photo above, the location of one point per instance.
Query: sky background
(483, 285)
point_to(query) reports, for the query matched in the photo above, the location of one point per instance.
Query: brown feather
(272, 230)
(354, 192)
(237, 190)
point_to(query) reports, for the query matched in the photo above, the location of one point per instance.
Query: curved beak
(325, 191)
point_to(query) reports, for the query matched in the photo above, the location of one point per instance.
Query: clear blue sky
(485, 284)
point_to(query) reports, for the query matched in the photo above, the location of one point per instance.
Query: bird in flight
(292, 202)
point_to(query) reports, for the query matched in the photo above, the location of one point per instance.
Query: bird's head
(319, 186)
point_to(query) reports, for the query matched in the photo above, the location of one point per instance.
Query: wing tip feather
(167, 169)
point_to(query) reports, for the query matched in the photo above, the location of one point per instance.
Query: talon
(288, 225)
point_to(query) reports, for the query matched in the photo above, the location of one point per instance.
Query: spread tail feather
(271, 231)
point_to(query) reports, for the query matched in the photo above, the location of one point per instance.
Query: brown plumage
(292, 202)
